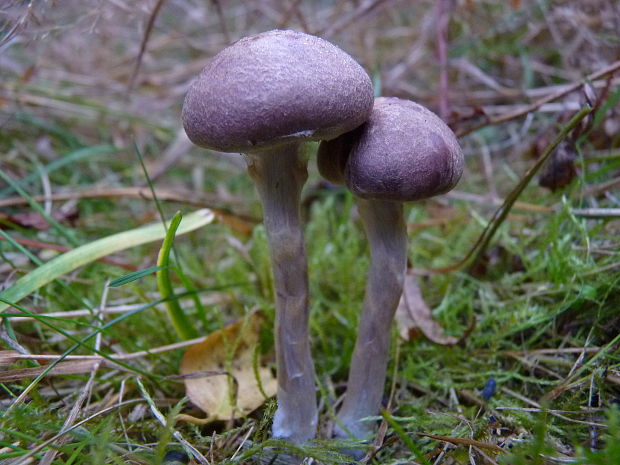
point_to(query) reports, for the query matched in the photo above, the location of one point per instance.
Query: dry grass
(89, 79)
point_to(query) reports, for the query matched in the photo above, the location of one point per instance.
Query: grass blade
(178, 318)
(131, 277)
(88, 253)
(415, 450)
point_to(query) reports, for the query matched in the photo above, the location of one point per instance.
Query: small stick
(205, 300)
(612, 68)
(145, 39)
(441, 35)
(239, 222)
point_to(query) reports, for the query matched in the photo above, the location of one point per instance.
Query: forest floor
(519, 266)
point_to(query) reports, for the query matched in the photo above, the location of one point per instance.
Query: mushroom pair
(266, 96)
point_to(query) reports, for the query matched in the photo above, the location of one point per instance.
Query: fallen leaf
(413, 316)
(220, 376)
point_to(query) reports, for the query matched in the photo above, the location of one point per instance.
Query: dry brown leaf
(413, 315)
(222, 363)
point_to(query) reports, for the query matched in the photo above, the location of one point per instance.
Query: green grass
(546, 283)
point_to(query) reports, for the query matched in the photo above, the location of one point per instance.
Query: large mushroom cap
(272, 88)
(404, 152)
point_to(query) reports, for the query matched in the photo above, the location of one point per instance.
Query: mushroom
(266, 96)
(403, 153)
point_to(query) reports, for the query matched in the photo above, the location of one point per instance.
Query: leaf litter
(414, 317)
(222, 375)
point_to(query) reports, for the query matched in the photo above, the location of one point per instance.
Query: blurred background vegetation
(90, 98)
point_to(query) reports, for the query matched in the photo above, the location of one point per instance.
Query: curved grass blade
(178, 318)
(88, 253)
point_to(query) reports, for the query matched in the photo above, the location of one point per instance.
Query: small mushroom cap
(404, 152)
(275, 88)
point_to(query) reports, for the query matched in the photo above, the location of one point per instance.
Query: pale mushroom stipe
(265, 96)
(403, 153)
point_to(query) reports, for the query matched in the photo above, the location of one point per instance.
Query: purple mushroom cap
(404, 152)
(274, 88)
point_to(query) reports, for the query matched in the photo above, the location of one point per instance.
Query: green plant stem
(500, 215)
(179, 319)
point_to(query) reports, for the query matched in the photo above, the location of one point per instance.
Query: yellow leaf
(219, 373)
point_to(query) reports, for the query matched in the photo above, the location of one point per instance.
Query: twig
(496, 202)
(501, 214)
(179, 146)
(145, 39)
(144, 193)
(293, 9)
(596, 212)
(540, 410)
(581, 212)
(243, 441)
(612, 68)
(562, 350)
(116, 356)
(210, 299)
(188, 198)
(441, 35)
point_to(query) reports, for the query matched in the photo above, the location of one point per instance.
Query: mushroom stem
(387, 237)
(279, 175)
